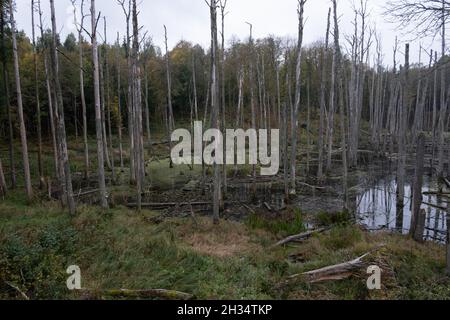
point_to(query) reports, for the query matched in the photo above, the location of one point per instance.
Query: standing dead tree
(49, 96)
(37, 101)
(137, 108)
(23, 130)
(170, 115)
(66, 181)
(298, 80)
(126, 8)
(80, 28)
(223, 5)
(215, 110)
(119, 102)
(98, 112)
(324, 62)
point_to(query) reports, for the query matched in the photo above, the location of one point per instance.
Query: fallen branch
(18, 290)
(310, 186)
(336, 272)
(434, 206)
(142, 294)
(301, 237)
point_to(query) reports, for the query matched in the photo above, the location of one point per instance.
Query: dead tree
(49, 97)
(324, 62)
(59, 116)
(170, 119)
(443, 107)
(338, 74)
(119, 102)
(108, 104)
(223, 5)
(252, 95)
(417, 221)
(38, 104)
(98, 112)
(23, 130)
(12, 162)
(137, 108)
(401, 137)
(127, 13)
(298, 80)
(215, 110)
(80, 27)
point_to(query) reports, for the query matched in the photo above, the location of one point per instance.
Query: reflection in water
(378, 209)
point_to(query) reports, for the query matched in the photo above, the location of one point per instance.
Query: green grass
(121, 249)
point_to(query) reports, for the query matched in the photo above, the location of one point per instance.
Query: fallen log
(138, 294)
(300, 237)
(336, 272)
(168, 204)
(175, 204)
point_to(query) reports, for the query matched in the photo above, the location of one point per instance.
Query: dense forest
(86, 127)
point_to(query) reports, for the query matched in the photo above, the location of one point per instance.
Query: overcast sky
(189, 20)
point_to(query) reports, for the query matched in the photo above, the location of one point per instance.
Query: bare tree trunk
(443, 109)
(137, 108)
(416, 231)
(108, 106)
(75, 116)
(38, 104)
(147, 108)
(129, 100)
(119, 102)
(298, 80)
(324, 61)
(98, 112)
(215, 109)
(338, 71)
(23, 131)
(103, 99)
(194, 84)
(252, 97)
(82, 94)
(402, 135)
(171, 121)
(12, 162)
(223, 5)
(59, 112)
(50, 98)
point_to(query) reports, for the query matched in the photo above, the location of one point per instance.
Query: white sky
(189, 20)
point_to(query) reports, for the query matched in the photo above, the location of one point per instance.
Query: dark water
(377, 209)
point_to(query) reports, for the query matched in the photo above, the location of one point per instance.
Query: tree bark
(98, 112)
(416, 231)
(298, 79)
(82, 93)
(38, 105)
(23, 131)
(49, 98)
(324, 61)
(59, 113)
(170, 119)
(215, 106)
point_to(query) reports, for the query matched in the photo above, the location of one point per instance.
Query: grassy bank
(123, 249)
